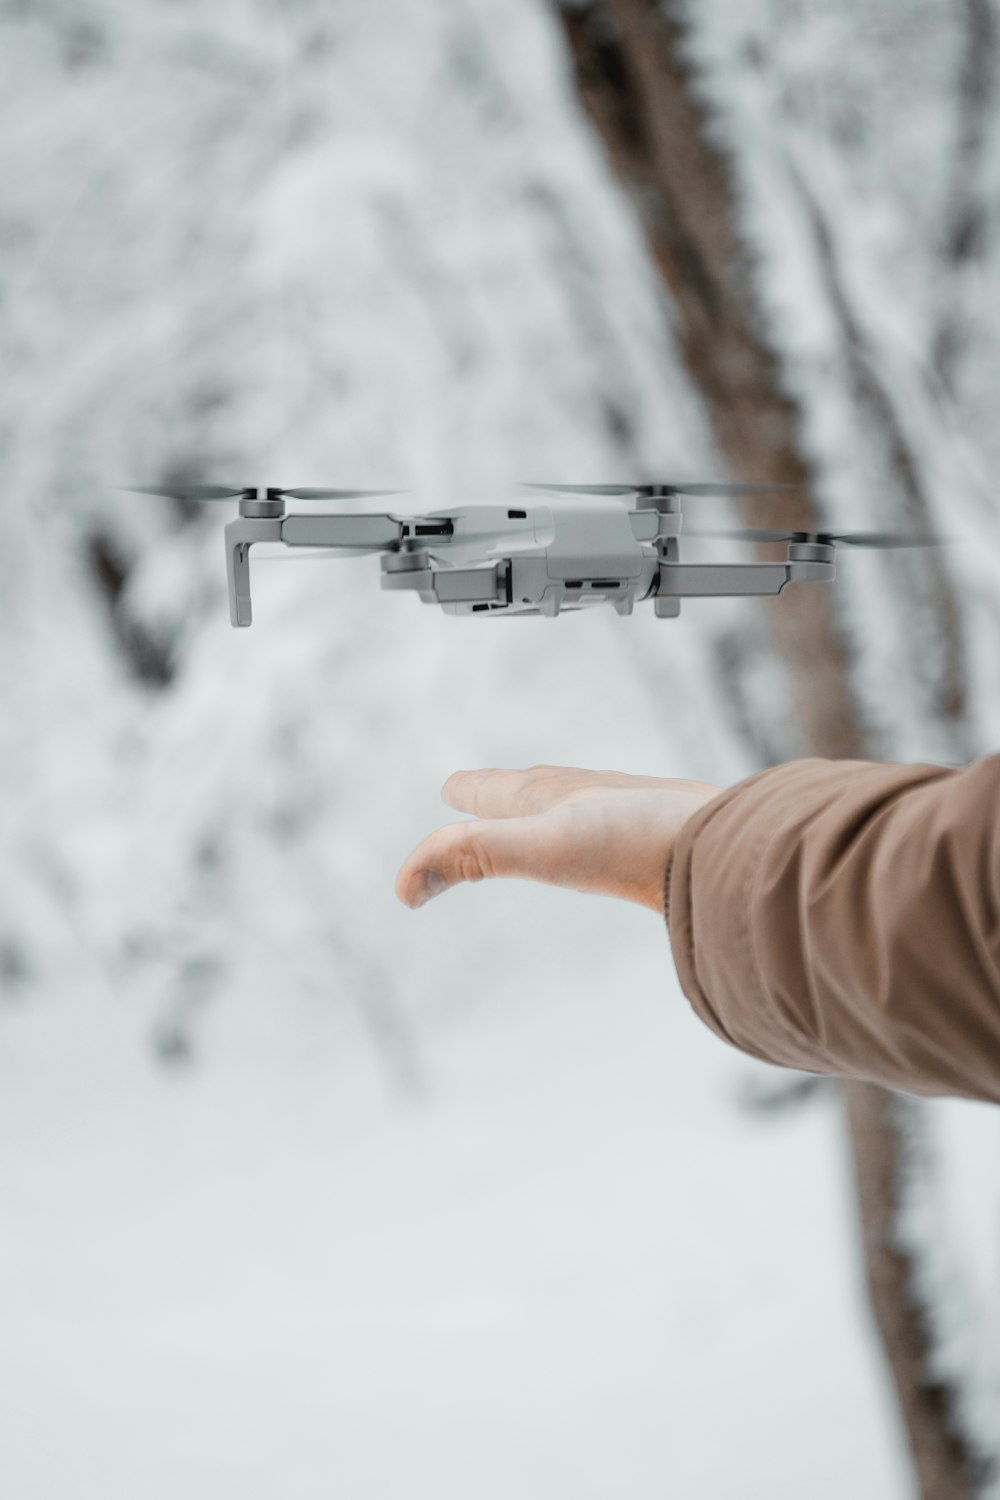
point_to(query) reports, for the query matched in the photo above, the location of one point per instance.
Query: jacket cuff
(841, 917)
(707, 887)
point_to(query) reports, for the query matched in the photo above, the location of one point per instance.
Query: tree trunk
(944, 1463)
(638, 90)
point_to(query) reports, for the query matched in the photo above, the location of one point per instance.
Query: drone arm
(362, 531)
(349, 533)
(689, 580)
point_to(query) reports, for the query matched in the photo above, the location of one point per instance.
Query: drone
(580, 548)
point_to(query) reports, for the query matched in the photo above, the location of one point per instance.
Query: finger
(515, 794)
(471, 852)
(512, 794)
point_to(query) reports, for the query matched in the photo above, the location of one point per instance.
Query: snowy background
(301, 1192)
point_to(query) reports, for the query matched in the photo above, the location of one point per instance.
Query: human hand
(599, 831)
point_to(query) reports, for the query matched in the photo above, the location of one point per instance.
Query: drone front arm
(343, 531)
(361, 533)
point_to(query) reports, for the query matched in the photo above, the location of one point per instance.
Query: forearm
(844, 917)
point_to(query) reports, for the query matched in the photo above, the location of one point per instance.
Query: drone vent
(444, 528)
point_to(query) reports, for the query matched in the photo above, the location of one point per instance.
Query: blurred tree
(639, 83)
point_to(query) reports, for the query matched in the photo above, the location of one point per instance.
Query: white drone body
(531, 558)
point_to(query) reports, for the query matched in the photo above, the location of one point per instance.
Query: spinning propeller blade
(185, 491)
(826, 538)
(227, 492)
(581, 489)
(336, 494)
(885, 539)
(680, 487)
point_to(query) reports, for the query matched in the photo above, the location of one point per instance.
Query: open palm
(599, 831)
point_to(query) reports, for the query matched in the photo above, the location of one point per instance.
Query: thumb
(476, 850)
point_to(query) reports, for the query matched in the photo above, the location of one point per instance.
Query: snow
(560, 1264)
(304, 1192)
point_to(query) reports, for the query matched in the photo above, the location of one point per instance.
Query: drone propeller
(336, 494)
(185, 491)
(826, 538)
(226, 492)
(672, 488)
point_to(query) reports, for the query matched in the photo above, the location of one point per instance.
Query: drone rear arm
(412, 570)
(806, 563)
(694, 580)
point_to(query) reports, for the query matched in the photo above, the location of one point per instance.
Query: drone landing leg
(240, 536)
(665, 606)
(238, 558)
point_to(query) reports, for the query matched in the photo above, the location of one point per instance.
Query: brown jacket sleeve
(844, 917)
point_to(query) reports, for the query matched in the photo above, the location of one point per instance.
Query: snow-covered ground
(564, 1263)
(301, 1192)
